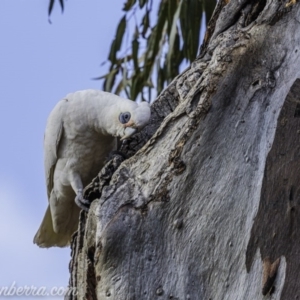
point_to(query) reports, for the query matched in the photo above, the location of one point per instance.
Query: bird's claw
(81, 202)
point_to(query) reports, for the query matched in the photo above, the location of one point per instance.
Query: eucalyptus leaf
(120, 87)
(128, 5)
(50, 7)
(61, 2)
(145, 24)
(209, 7)
(120, 33)
(142, 3)
(110, 80)
(135, 49)
(172, 39)
(113, 52)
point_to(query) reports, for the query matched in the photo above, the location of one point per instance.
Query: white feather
(80, 132)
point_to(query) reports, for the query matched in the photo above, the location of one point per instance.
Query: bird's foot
(81, 202)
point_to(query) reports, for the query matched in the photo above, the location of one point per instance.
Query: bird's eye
(124, 117)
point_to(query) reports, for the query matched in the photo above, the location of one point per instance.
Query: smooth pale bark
(208, 208)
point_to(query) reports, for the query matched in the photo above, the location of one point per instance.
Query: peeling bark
(206, 205)
(276, 231)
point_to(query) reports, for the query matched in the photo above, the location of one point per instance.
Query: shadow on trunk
(276, 229)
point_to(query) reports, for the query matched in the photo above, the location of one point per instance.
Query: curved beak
(129, 124)
(129, 131)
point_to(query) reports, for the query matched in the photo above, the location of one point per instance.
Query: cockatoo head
(130, 116)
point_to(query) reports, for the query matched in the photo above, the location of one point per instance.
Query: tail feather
(46, 237)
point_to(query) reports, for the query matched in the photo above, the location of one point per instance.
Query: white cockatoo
(81, 131)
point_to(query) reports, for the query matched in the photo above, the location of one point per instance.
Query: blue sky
(39, 64)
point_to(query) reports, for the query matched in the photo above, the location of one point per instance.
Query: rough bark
(207, 204)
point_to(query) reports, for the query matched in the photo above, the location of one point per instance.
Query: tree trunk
(208, 206)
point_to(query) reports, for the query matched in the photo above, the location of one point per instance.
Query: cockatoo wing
(80, 132)
(46, 237)
(52, 138)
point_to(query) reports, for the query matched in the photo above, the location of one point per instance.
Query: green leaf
(160, 80)
(61, 5)
(113, 52)
(209, 7)
(190, 22)
(137, 83)
(100, 77)
(120, 33)
(145, 24)
(135, 49)
(110, 80)
(117, 42)
(172, 69)
(172, 38)
(142, 3)
(155, 38)
(119, 87)
(128, 5)
(172, 8)
(195, 24)
(177, 25)
(50, 7)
